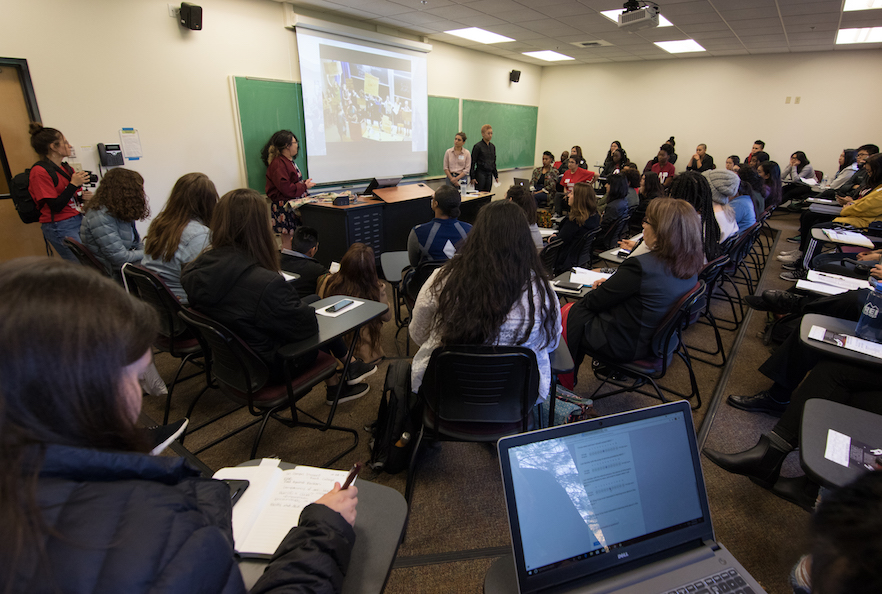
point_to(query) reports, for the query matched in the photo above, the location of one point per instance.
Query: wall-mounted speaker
(514, 75)
(191, 16)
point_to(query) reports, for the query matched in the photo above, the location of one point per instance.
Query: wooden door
(16, 238)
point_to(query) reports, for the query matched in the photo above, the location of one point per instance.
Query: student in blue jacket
(82, 507)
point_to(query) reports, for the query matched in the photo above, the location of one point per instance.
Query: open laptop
(615, 504)
(519, 181)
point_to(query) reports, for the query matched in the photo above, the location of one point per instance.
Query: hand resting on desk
(627, 244)
(342, 502)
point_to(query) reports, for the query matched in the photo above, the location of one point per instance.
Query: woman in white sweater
(493, 292)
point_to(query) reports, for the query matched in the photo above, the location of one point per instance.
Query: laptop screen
(587, 497)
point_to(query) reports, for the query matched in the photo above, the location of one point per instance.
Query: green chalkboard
(266, 106)
(443, 126)
(514, 130)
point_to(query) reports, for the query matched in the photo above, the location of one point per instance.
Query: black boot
(800, 490)
(762, 463)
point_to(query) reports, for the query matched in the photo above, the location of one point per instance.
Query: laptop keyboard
(725, 582)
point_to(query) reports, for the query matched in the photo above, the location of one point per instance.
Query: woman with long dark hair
(83, 508)
(180, 232)
(56, 188)
(771, 174)
(797, 169)
(620, 315)
(238, 283)
(284, 181)
(108, 228)
(582, 219)
(493, 292)
(616, 158)
(357, 277)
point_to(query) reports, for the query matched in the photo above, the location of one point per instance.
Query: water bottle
(463, 186)
(825, 182)
(869, 326)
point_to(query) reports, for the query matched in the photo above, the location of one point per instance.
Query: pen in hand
(353, 472)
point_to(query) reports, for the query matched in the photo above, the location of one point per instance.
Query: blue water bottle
(869, 326)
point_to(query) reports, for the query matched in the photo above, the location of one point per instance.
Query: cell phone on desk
(343, 303)
(569, 286)
(237, 488)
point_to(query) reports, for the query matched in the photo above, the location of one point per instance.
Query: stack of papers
(849, 237)
(845, 341)
(830, 284)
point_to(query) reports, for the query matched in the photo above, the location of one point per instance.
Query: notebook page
(296, 489)
(837, 280)
(261, 482)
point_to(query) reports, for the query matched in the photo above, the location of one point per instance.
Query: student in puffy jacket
(82, 508)
(108, 228)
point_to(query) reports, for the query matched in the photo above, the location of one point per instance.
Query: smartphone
(569, 286)
(237, 488)
(340, 305)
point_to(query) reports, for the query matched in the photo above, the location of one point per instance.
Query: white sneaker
(795, 256)
(787, 252)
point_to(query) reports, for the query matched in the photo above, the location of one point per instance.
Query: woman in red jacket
(284, 181)
(56, 188)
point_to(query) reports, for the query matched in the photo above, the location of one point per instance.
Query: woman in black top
(582, 219)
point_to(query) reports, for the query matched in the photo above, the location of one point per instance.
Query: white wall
(101, 65)
(726, 103)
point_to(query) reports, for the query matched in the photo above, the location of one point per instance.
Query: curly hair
(495, 266)
(121, 193)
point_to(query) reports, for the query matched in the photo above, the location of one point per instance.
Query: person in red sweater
(56, 188)
(284, 181)
(664, 168)
(573, 175)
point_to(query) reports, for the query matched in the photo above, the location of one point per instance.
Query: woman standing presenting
(283, 181)
(55, 187)
(457, 161)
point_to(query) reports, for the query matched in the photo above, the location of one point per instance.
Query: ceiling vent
(590, 44)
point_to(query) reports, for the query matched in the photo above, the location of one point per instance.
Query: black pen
(352, 474)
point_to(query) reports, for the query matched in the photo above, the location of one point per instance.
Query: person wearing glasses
(284, 181)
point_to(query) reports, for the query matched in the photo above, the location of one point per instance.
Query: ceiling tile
(565, 9)
(698, 17)
(418, 5)
(455, 13)
(418, 18)
(523, 14)
(769, 11)
(551, 27)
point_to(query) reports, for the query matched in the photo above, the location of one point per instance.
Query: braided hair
(694, 188)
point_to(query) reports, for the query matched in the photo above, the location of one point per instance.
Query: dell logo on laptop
(622, 555)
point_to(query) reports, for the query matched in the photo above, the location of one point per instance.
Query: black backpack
(27, 208)
(394, 431)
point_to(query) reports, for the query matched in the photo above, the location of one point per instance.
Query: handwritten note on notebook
(271, 505)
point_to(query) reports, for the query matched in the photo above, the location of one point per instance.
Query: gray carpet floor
(457, 525)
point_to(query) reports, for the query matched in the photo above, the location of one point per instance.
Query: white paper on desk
(838, 447)
(837, 280)
(849, 237)
(823, 288)
(821, 201)
(333, 314)
(852, 343)
(546, 232)
(272, 503)
(586, 277)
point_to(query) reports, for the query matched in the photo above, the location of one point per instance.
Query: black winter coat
(128, 522)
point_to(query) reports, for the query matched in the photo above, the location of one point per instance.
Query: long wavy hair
(66, 333)
(584, 204)
(677, 236)
(241, 220)
(694, 188)
(358, 278)
(275, 145)
(193, 198)
(495, 266)
(121, 193)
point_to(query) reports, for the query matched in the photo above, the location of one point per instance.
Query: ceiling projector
(636, 17)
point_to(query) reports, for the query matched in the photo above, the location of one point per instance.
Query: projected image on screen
(366, 108)
(363, 102)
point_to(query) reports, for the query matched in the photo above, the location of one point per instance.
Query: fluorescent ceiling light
(861, 5)
(868, 35)
(548, 56)
(613, 15)
(680, 47)
(479, 35)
